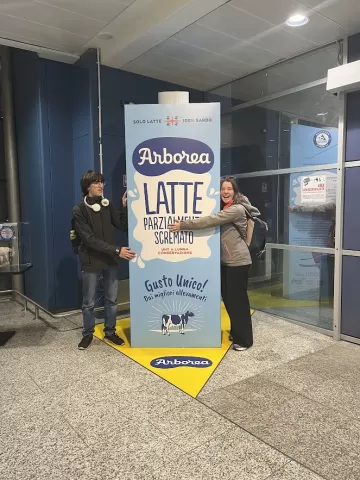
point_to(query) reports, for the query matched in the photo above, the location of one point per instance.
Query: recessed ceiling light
(105, 36)
(297, 20)
(322, 114)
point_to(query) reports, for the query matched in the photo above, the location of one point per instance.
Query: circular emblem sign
(7, 233)
(322, 139)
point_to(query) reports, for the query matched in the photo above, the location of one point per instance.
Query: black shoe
(115, 339)
(85, 342)
(231, 338)
(239, 348)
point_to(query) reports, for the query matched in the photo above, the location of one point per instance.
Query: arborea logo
(174, 362)
(157, 156)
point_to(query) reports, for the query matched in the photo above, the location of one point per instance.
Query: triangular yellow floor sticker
(188, 379)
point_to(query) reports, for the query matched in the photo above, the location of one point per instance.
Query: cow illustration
(169, 321)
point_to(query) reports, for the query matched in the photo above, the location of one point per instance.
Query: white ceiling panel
(32, 41)
(236, 23)
(207, 38)
(150, 71)
(283, 43)
(345, 13)
(103, 10)
(317, 3)
(202, 58)
(180, 68)
(319, 30)
(40, 33)
(274, 11)
(218, 42)
(253, 55)
(55, 17)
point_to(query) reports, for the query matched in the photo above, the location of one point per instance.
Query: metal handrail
(39, 308)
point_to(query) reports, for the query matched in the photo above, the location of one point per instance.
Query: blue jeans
(90, 284)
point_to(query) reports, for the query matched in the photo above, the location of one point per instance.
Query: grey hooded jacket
(233, 227)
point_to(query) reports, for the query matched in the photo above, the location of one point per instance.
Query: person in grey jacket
(235, 257)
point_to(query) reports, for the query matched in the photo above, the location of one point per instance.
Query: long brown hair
(238, 196)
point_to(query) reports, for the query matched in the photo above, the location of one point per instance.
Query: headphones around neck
(96, 207)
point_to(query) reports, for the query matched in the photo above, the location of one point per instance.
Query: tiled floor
(288, 409)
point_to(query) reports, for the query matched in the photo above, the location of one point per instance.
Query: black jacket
(97, 250)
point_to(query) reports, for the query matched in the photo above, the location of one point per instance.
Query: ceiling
(195, 43)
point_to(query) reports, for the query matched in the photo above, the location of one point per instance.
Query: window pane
(297, 71)
(295, 285)
(299, 208)
(297, 130)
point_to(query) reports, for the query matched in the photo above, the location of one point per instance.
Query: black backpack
(256, 236)
(257, 243)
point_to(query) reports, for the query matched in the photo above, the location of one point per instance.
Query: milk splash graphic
(172, 183)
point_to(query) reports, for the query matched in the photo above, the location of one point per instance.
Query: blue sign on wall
(173, 173)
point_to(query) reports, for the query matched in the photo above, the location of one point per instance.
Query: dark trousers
(90, 284)
(234, 283)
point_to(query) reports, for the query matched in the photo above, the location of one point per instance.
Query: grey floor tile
(294, 471)
(191, 425)
(261, 392)
(30, 336)
(136, 464)
(56, 369)
(129, 377)
(301, 344)
(221, 401)
(347, 431)
(338, 395)
(237, 366)
(55, 462)
(144, 402)
(7, 361)
(233, 455)
(296, 380)
(15, 385)
(85, 399)
(20, 428)
(37, 445)
(327, 363)
(268, 329)
(126, 436)
(332, 460)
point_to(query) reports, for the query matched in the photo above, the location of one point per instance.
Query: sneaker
(239, 348)
(115, 339)
(85, 342)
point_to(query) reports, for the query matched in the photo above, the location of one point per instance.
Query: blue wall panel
(354, 48)
(31, 169)
(60, 112)
(351, 209)
(353, 127)
(350, 320)
(350, 305)
(81, 104)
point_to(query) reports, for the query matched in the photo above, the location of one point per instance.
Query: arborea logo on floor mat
(174, 362)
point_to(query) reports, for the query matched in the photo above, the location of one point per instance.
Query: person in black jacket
(94, 219)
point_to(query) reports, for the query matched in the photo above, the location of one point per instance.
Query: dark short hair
(89, 177)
